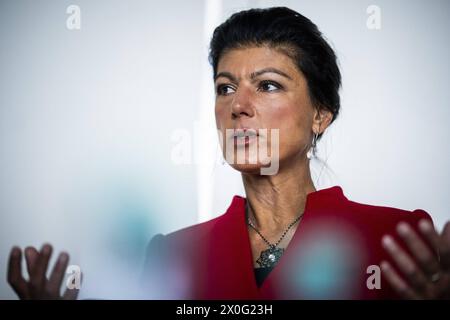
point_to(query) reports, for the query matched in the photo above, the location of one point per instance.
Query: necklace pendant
(270, 257)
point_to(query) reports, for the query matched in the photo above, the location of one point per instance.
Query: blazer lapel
(230, 270)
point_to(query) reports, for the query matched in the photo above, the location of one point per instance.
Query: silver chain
(282, 236)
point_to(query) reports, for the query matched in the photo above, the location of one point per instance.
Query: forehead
(243, 61)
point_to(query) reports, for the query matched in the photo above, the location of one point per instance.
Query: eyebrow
(225, 74)
(253, 75)
(269, 70)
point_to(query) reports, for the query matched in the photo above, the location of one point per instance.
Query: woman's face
(261, 88)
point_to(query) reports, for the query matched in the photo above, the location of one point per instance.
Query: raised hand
(427, 277)
(38, 286)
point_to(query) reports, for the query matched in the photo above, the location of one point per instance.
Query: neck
(276, 201)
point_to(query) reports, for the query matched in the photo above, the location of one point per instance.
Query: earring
(312, 151)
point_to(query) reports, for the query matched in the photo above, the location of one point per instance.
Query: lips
(245, 132)
(244, 136)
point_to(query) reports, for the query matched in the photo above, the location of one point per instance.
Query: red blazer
(334, 251)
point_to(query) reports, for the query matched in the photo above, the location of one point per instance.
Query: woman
(277, 84)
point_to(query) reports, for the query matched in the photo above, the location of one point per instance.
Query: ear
(322, 119)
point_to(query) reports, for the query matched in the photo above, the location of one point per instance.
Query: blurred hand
(38, 286)
(427, 277)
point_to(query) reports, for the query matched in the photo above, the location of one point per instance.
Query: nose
(242, 104)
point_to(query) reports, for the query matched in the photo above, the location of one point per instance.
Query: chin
(252, 163)
(272, 168)
(248, 168)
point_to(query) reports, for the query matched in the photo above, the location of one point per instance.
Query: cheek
(220, 116)
(294, 123)
(288, 118)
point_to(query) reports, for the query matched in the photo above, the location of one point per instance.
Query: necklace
(272, 255)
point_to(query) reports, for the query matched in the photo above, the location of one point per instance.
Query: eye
(224, 89)
(269, 86)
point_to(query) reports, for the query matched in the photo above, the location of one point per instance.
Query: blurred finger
(419, 249)
(31, 255)
(57, 275)
(37, 276)
(444, 248)
(396, 282)
(71, 294)
(15, 278)
(428, 230)
(405, 263)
